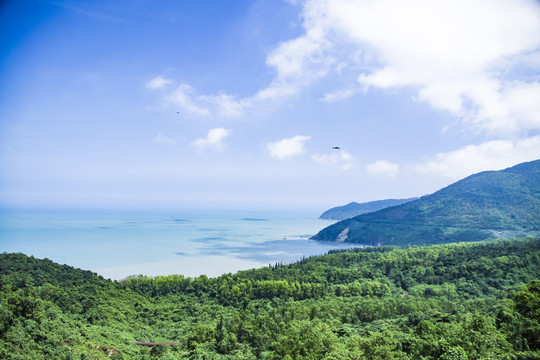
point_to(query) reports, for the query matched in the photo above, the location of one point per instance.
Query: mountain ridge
(353, 209)
(489, 204)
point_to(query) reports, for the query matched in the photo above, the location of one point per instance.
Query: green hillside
(491, 204)
(354, 209)
(454, 301)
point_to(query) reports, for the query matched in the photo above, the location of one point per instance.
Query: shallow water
(119, 244)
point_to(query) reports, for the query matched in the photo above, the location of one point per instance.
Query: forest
(452, 301)
(486, 205)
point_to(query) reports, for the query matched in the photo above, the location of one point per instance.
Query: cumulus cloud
(160, 138)
(214, 140)
(158, 82)
(383, 167)
(470, 59)
(341, 159)
(287, 148)
(183, 98)
(186, 98)
(296, 63)
(458, 55)
(302, 58)
(490, 155)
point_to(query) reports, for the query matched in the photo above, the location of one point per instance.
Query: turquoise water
(119, 244)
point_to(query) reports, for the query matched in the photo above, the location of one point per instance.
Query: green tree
(454, 353)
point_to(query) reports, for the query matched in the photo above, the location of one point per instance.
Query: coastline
(116, 245)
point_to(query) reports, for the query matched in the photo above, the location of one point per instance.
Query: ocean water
(119, 244)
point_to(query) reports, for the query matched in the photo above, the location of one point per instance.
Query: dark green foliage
(454, 301)
(454, 353)
(491, 204)
(354, 209)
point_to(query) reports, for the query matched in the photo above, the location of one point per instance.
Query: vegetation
(354, 209)
(453, 301)
(491, 204)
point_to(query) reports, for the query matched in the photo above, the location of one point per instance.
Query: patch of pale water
(191, 243)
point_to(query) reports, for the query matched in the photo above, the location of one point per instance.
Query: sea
(119, 244)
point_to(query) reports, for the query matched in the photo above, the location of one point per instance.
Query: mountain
(490, 204)
(354, 209)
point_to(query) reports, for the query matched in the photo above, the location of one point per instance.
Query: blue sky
(237, 104)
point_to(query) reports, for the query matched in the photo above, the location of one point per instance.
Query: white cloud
(225, 104)
(491, 155)
(182, 98)
(297, 62)
(465, 58)
(339, 95)
(158, 82)
(458, 55)
(277, 90)
(185, 97)
(214, 140)
(160, 138)
(342, 159)
(383, 167)
(296, 57)
(287, 148)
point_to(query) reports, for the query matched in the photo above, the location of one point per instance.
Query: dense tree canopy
(454, 301)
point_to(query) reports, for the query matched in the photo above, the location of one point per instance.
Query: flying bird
(335, 148)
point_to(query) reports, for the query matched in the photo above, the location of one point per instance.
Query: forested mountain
(454, 301)
(491, 204)
(354, 209)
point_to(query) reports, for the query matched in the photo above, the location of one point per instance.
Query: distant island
(354, 209)
(490, 204)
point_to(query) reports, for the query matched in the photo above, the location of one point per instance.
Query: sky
(238, 104)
